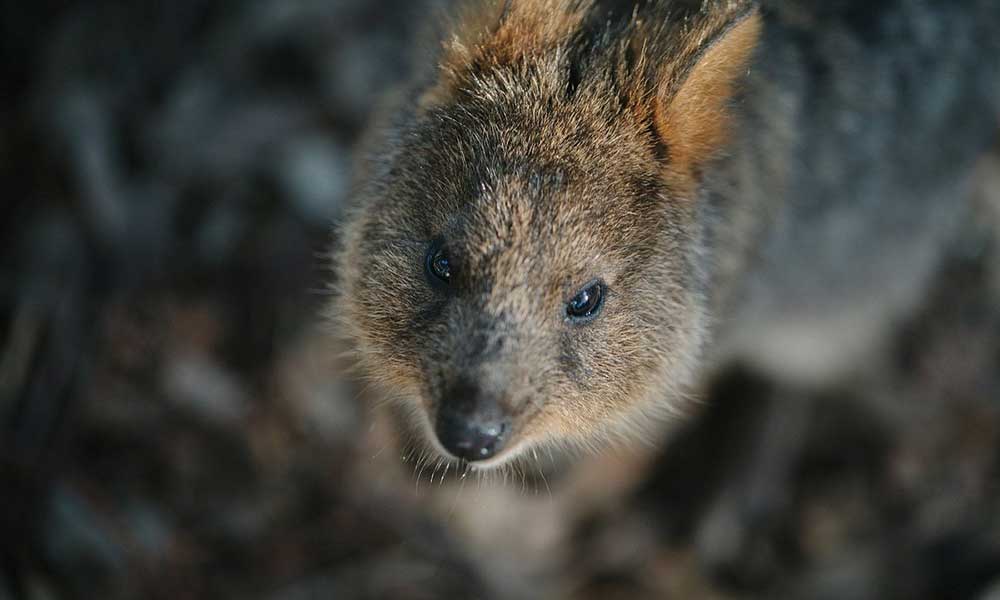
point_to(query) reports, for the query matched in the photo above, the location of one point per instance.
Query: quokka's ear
(493, 33)
(693, 96)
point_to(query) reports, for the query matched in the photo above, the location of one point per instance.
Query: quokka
(587, 205)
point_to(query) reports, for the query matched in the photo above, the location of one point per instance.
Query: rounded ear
(692, 103)
(493, 33)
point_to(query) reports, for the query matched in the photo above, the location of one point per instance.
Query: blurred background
(171, 421)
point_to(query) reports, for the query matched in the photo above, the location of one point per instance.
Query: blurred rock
(326, 407)
(79, 543)
(197, 385)
(313, 173)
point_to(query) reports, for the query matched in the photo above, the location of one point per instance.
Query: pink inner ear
(693, 118)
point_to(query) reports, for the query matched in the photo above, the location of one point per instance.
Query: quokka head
(521, 264)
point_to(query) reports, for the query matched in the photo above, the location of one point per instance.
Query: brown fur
(692, 112)
(549, 152)
(492, 35)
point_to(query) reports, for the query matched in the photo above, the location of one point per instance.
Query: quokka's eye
(437, 265)
(587, 303)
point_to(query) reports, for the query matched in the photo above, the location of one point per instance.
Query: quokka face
(521, 266)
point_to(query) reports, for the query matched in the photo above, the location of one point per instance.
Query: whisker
(423, 465)
(458, 495)
(538, 465)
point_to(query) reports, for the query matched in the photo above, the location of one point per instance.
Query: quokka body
(583, 205)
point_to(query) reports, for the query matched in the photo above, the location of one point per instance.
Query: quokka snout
(521, 265)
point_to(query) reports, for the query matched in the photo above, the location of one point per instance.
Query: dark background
(171, 420)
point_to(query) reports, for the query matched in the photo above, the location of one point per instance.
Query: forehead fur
(544, 228)
(512, 173)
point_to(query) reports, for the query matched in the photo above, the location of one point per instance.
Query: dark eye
(587, 303)
(437, 265)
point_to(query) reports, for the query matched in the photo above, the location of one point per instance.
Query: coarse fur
(553, 149)
(557, 144)
(850, 170)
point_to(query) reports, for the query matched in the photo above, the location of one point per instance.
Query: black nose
(470, 425)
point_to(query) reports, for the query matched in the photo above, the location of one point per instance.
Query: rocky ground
(171, 425)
